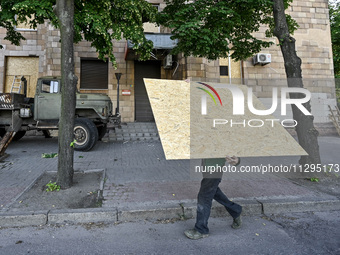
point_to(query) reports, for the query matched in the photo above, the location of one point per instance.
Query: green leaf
(73, 142)
(49, 155)
(52, 186)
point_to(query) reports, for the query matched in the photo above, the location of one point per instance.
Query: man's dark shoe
(194, 234)
(237, 223)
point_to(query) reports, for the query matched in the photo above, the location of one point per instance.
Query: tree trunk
(306, 132)
(65, 14)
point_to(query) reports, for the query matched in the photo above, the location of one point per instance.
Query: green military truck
(19, 114)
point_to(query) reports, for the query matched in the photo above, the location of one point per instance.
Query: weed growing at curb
(49, 155)
(52, 186)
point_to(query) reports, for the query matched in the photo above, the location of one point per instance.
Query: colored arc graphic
(213, 90)
(209, 94)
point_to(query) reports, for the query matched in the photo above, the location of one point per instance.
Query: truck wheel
(85, 134)
(101, 131)
(18, 135)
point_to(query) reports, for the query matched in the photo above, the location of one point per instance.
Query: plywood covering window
(230, 69)
(22, 66)
(93, 74)
(25, 26)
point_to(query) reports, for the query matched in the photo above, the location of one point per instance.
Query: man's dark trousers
(209, 190)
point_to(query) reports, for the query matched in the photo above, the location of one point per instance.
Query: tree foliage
(200, 26)
(97, 21)
(334, 15)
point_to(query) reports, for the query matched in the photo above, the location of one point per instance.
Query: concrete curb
(182, 211)
(76, 216)
(279, 206)
(150, 214)
(27, 219)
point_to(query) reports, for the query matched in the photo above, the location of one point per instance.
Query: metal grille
(11, 100)
(6, 101)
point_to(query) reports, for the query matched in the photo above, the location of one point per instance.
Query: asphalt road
(298, 233)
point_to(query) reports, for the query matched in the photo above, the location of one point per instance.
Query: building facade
(39, 55)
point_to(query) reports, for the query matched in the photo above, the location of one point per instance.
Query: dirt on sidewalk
(328, 183)
(84, 193)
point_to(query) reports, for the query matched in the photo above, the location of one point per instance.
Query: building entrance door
(144, 69)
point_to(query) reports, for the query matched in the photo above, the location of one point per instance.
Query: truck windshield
(50, 86)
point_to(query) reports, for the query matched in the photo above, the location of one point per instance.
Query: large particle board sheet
(170, 103)
(186, 133)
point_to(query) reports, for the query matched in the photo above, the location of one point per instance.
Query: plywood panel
(27, 66)
(245, 135)
(186, 133)
(235, 67)
(170, 103)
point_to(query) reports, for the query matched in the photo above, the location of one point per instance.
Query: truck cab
(47, 101)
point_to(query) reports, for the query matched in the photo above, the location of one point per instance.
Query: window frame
(24, 29)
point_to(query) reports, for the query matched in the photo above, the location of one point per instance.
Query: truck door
(47, 100)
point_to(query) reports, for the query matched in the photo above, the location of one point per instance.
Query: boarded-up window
(94, 74)
(230, 70)
(25, 26)
(22, 66)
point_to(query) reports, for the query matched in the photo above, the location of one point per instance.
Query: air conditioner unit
(262, 59)
(167, 64)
